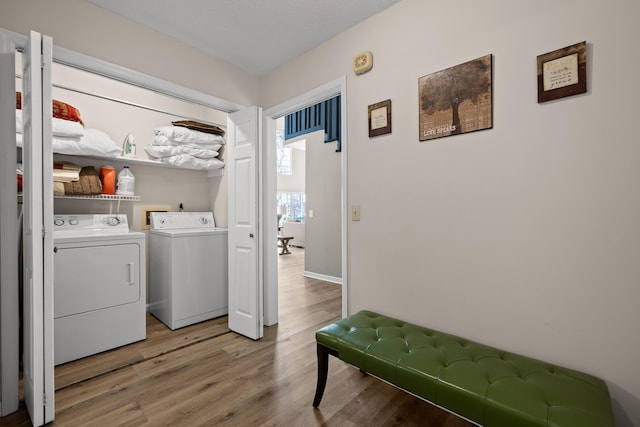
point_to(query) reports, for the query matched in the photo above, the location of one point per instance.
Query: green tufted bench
(485, 385)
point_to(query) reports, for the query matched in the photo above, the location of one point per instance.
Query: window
(294, 204)
(283, 154)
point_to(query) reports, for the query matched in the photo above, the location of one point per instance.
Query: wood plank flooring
(205, 375)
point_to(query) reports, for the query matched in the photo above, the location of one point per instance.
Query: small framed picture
(562, 72)
(380, 118)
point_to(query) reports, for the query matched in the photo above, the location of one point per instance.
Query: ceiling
(255, 35)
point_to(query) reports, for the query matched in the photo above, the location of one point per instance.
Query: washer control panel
(175, 220)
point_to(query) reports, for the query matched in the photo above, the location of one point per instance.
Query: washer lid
(179, 220)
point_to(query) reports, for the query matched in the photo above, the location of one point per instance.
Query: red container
(108, 179)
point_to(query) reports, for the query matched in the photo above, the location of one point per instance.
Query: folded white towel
(66, 172)
(187, 161)
(60, 175)
(94, 143)
(179, 134)
(59, 127)
(201, 152)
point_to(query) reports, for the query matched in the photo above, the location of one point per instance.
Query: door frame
(269, 188)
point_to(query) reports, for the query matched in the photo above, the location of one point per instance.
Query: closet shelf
(144, 162)
(102, 197)
(131, 161)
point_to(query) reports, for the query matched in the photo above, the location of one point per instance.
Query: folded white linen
(201, 152)
(179, 134)
(93, 143)
(187, 161)
(66, 166)
(61, 175)
(162, 140)
(60, 127)
(56, 140)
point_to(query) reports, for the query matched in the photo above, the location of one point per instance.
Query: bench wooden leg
(323, 369)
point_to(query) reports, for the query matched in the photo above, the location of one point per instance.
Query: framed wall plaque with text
(562, 72)
(380, 118)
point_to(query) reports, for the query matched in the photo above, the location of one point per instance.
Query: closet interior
(102, 124)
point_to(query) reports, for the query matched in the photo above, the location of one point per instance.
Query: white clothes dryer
(188, 272)
(99, 285)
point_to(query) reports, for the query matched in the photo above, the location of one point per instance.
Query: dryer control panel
(91, 223)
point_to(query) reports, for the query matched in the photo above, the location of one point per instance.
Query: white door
(38, 220)
(9, 313)
(245, 270)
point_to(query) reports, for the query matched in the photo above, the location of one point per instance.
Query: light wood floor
(205, 375)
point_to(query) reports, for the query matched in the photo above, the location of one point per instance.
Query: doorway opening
(270, 188)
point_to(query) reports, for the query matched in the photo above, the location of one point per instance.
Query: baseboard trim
(332, 279)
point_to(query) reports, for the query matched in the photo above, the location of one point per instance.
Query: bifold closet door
(37, 157)
(9, 243)
(245, 270)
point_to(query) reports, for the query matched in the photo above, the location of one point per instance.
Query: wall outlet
(355, 212)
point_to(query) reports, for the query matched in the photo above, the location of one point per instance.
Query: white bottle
(126, 182)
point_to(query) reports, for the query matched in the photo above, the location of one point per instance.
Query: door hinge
(44, 399)
(43, 232)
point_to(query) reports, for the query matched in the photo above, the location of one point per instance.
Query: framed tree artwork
(456, 100)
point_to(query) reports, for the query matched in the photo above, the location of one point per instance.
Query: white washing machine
(188, 272)
(99, 285)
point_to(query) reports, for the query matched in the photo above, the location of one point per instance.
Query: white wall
(323, 234)
(524, 236)
(294, 183)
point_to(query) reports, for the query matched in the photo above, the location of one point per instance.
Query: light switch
(310, 213)
(355, 212)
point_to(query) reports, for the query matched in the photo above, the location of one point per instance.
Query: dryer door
(90, 277)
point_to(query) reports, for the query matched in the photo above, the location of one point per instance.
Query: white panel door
(245, 276)
(9, 244)
(47, 226)
(38, 220)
